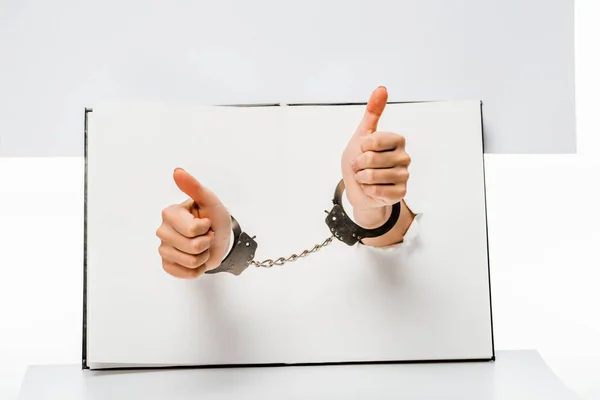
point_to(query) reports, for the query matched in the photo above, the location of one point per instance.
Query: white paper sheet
(275, 168)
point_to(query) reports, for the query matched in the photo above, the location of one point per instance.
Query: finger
(387, 194)
(192, 261)
(184, 222)
(382, 141)
(181, 272)
(382, 176)
(190, 186)
(195, 245)
(383, 159)
(375, 107)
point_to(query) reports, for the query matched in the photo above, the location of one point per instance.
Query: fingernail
(353, 164)
(382, 87)
(179, 169)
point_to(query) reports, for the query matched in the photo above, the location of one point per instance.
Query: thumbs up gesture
(374, 166)
(195, 234)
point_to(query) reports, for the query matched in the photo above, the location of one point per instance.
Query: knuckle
(401, 140)
(403, 174)
(201, 258)
(165, 213)
(190, 230)
(192, 261)
(195, 245)
(378, 191)
(375, 142)
(198, 245)
(196, 227)
(160, 232)
(405, 159)
(402, 159)
(167, 267)
(194, 273)
(370, 175)
(402, 191)
(186, 273)
(204, 257)
(370, 158)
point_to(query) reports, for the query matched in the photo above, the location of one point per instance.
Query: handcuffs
(241, 255)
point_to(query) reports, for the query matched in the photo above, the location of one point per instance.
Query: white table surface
(514, 375)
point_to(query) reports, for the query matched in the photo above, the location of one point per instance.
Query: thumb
(375, 107)
(190, 186)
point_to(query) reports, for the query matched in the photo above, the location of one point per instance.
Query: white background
(64, 55)
(544, 231)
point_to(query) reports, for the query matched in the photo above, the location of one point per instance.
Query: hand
(194, 235)
(374, 166)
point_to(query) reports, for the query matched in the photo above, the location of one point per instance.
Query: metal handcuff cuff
(242, 253)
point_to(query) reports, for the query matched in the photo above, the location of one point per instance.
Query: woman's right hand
(195, 235)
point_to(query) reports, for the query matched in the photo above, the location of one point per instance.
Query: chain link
(282, 260)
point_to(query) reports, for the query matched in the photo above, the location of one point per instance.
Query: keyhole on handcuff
(337, 235)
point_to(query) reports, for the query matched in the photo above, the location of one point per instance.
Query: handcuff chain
(282, 260)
